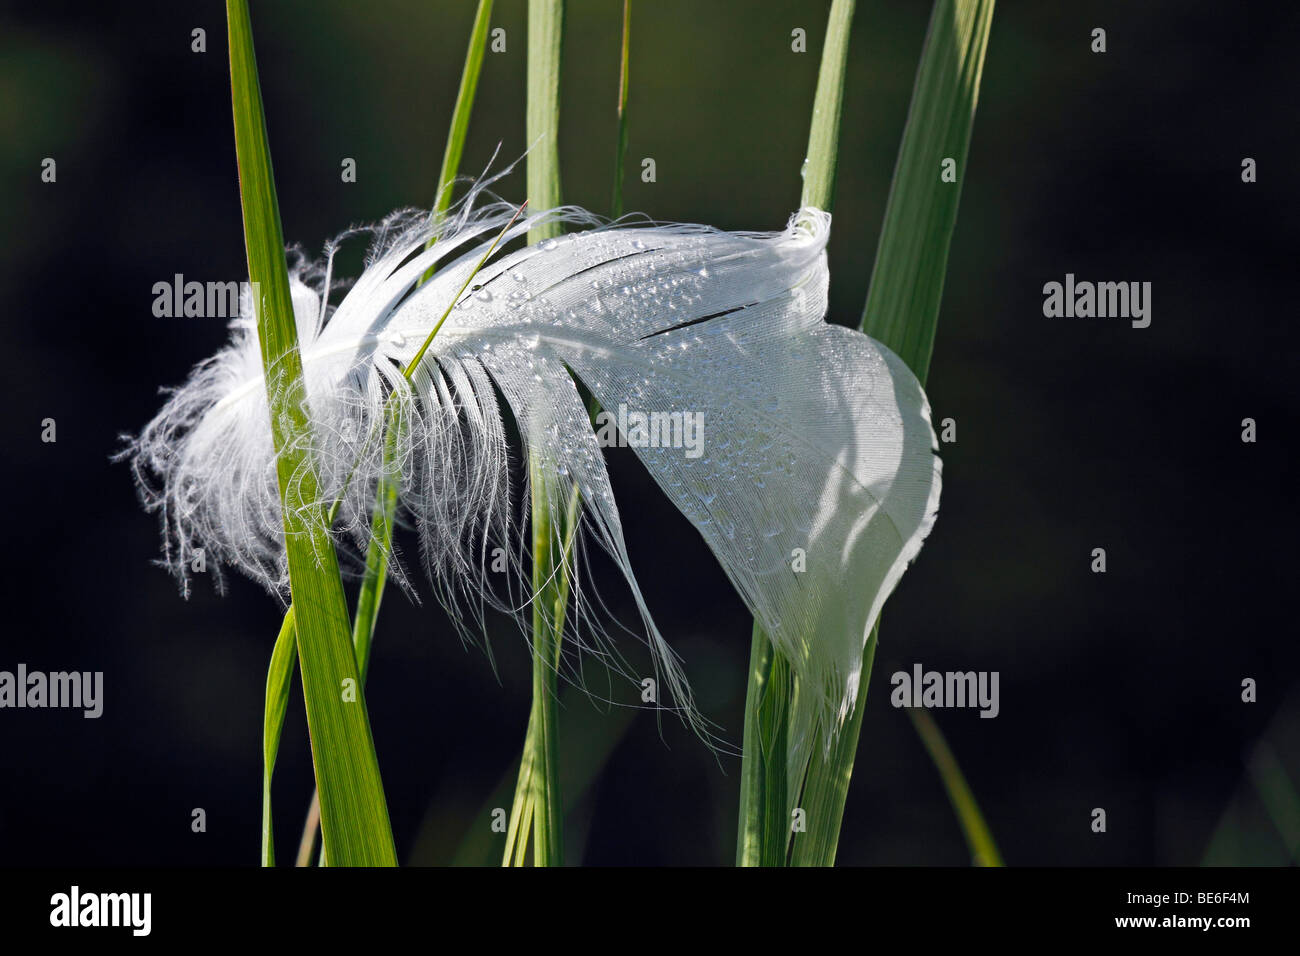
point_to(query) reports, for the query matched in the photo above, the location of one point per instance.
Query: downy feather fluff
(817, 481)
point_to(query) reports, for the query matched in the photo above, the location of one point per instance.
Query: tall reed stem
(537, 791)
(354, 813)
(765, 810)
(902, 308)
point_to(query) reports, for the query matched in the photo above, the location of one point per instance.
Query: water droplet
(483, 295)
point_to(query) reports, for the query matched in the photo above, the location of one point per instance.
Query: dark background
(1119, 690)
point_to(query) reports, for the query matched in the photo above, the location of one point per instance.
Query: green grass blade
(369, 597)
(824, 133)
(354, 814)
(775, 706)
(620, 150)
(537, 790)
(279, 677)
(902, 308)
(984, 852)
(585, 749)
(548, 808)
(749, 838)
(537, 811)
(520, 826)
(456, 136)
(826, 780)
(765, 822)
(542, 113)
(464, 106)
(378, 550)
(763, 780)
(764, 809)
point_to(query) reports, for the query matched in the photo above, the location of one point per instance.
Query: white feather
(817, 439)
